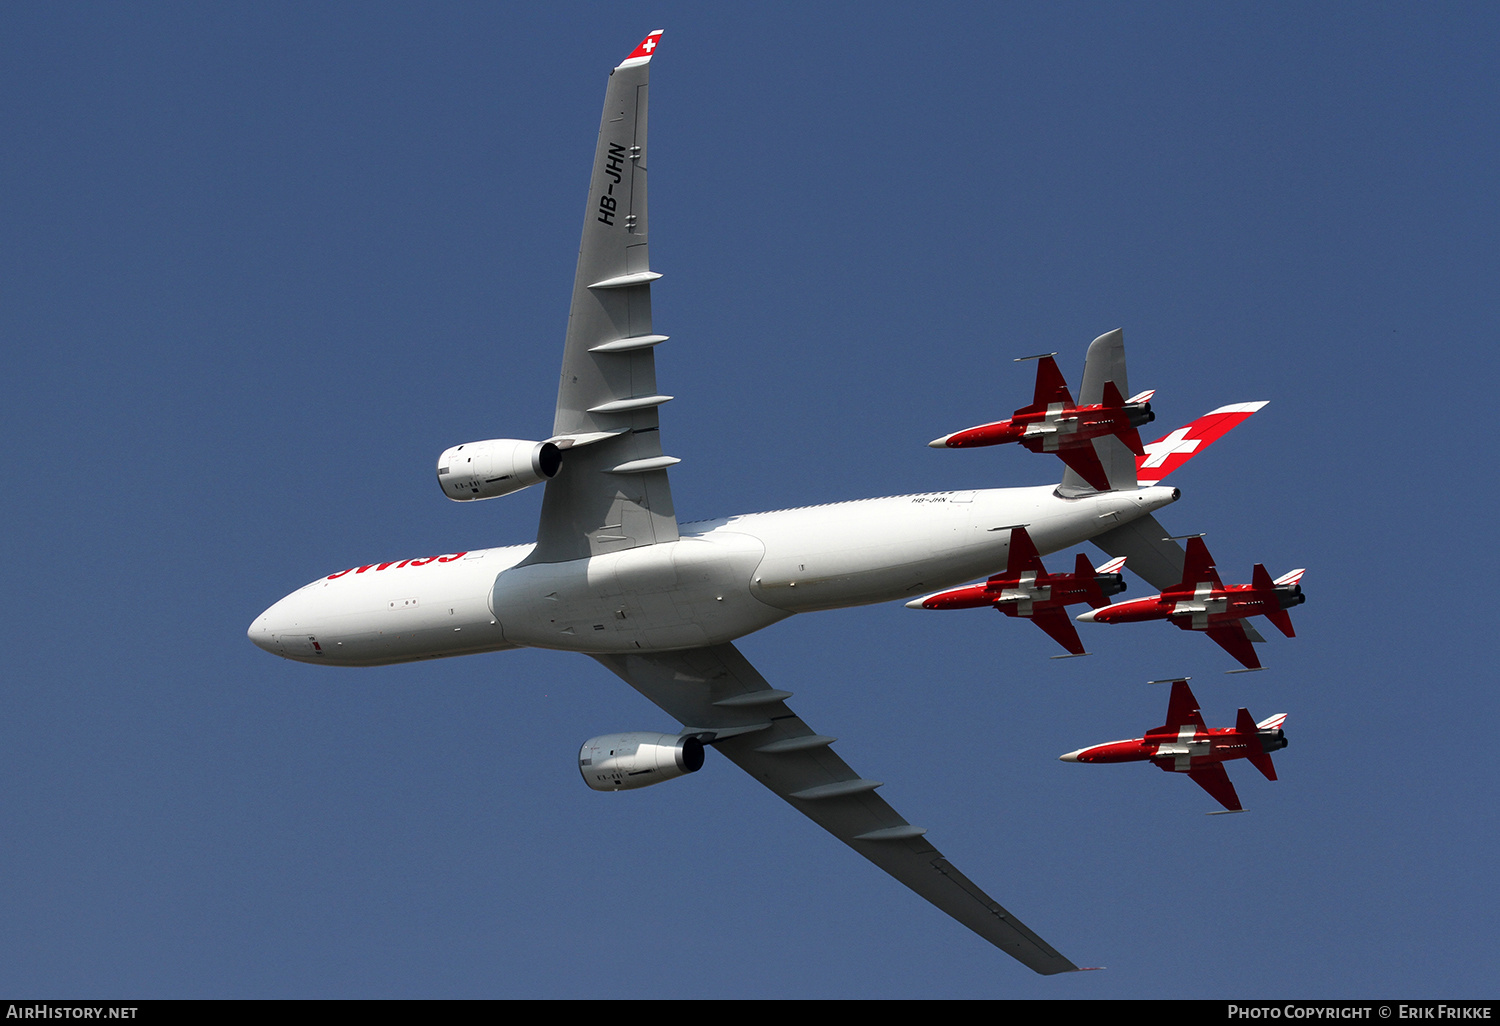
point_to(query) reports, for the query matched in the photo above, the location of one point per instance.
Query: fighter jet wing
(715, 693)
(1215, 781)
(1059, 626)
(1182, 711)
(1051, 387)
(612, 491)
(1234, 638)
(1198, 566)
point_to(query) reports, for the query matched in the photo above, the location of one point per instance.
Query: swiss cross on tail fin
(1171, 451)
(641, 54)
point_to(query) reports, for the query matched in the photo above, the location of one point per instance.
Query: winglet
(641, 54)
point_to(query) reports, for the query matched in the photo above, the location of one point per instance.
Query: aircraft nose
(1071, 756)
(260, 634)
(1086, 618)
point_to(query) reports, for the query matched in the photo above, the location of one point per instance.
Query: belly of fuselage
(683, 594)
(888, 549)
(721, 580)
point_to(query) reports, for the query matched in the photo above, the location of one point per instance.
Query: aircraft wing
(1059, 626)
(612, 491)
(715, 693)
(1235, 639)
(1182, 711)
(1215, 781)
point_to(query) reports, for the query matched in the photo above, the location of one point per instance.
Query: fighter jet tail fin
(1254, 752)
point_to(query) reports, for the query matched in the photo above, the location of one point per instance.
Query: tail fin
(1278, 616)
(1084, 574)
(1105, 363)
(1254, 750)
(1171, 451)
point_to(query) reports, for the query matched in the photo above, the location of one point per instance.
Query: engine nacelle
(620, 762)
(499, 466)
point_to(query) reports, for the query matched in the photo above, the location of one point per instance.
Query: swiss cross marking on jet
(1176, 442)
(649, 45)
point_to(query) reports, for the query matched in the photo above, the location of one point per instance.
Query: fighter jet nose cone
(915, 603)
(1070, 757)
(939, 443)
(1086, 617)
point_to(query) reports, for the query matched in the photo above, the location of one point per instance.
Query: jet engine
(499, 466)
(1140, 414)
(621, 762)
(1290, 595)
(1110, 584)
(1272, 740)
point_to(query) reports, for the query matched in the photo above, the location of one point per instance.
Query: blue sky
(260, 264)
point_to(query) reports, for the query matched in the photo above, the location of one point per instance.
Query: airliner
(613, 574)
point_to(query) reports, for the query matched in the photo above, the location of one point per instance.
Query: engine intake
(622, 762)
(499, 466)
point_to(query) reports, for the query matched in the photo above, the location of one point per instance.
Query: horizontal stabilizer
(1171, 451)
(1155, 558)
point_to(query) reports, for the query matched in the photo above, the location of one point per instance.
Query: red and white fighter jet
(1184, 745)
(1202, 602)
(1052, 423)
(1027, 589)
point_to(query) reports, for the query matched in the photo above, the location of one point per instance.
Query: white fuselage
(722, 579)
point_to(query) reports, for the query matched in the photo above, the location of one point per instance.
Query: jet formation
(613, 574)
